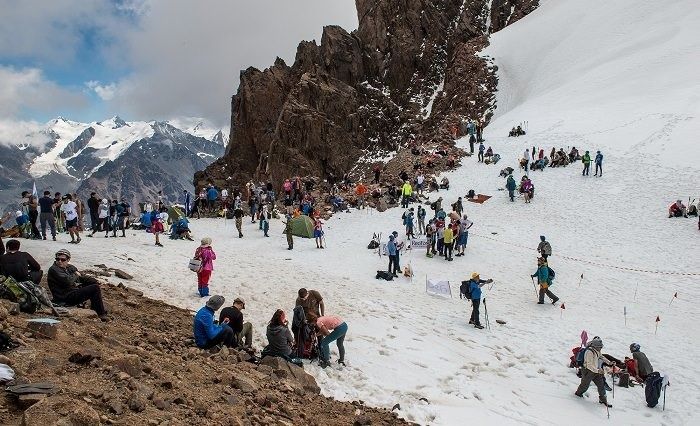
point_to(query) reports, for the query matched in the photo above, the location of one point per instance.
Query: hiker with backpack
(641, 367)
(207, 256)
(472, 290)
(598, 164)
(332, 328)
(430, 232)
(448, 239)
(586, 160)
(592, 370)
(481, 152)
(510, 186)
(20, 265)
(408, 222)
(420, 214)
(544, 275)
(70, 288)
(287, 231)
(544, 248)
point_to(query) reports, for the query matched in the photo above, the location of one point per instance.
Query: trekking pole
(612, 378)
(486, 315)
(535, 286)
(663, 408)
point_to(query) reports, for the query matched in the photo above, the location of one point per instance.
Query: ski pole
(535, 286)
(612, 378)
(664, 406)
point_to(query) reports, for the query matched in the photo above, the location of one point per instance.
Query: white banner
(439, 287)
(419, 243)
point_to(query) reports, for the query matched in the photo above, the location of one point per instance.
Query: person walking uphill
(333, 328)
(544, 278)
(206, 333)
(510, 186)
(207, 257)
(474, 294)
(544, 248)
(593, 370)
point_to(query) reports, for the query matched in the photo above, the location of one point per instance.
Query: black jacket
(62, 281)
(93, 205)
(17, 265)
(235, 318)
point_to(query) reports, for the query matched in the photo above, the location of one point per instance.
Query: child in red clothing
(206, 254)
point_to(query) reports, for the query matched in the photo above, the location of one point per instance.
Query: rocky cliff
(406, 74)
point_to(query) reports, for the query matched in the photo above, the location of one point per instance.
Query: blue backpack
(580, 355)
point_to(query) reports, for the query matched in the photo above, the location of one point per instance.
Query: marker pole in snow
(580, 281)
(675, 296)
(664, 406)
(486, 316)
(635, 291)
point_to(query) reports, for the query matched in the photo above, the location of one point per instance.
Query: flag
(658, 319)
(34, 191)
(584, 338)
(562, 306)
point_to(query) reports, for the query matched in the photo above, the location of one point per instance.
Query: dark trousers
(586, 378)
(481, 157)
(33, 216)
(47, 217)
(440, 246)
(394, 264)
(448, 250)
(35, 276)
(599, 168)
(102, 224)
(225, 336)
(586, 169)
(511, 194)
(475, 311)
(94, 221)
(549, 294)
(89, 292)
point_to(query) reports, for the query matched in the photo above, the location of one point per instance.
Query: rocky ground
(143, 368)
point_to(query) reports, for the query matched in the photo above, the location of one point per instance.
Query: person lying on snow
(677, 209)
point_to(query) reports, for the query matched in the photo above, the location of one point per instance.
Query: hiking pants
(33, 216)
(89, 292)
(225, 336)
(544, 289)
(448, 250)
(404, 201)
(239, 224)
(338, 334)
(421, 226)
(586, 169)
(203, 282)
(481, 157)
(394, 263)
(599, 168)
(511, 194)
(587, 377)
(94, 221)
(290, 241)
(440, 246)
(47, 217)
(246, 335)
(475, 311)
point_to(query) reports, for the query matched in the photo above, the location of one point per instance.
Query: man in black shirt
(93, 206)
(233, 316)
(20, 265)
(46, 208)
(70, 287)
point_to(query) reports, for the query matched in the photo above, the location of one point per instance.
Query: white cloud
(22, 133)
(27, 89)
(106, 92)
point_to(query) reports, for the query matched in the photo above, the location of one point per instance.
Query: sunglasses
(61, 259)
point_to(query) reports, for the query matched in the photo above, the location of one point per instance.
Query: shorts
(317, 233)
(72, 223)
(157, 228)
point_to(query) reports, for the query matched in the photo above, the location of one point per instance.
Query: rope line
(590, 262)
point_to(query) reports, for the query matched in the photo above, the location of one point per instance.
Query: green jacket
(586, 158)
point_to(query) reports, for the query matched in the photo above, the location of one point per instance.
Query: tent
(302, 226)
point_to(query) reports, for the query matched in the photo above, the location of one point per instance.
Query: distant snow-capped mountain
(114, 158)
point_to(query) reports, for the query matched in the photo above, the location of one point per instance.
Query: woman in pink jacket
(206, 254)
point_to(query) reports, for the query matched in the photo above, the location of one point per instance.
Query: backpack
(580, 355)
(652, 389)
(551, 274)
(433, 205)
(384, 275)
(21, 293)
(373, 245)
(465, 290)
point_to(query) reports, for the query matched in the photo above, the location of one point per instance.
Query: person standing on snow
(207, 257)
(393, 253)
(481, 152)
(593, 362)
(448, 237)
(318, 232)
(288, 231)
(586, 160)
(430, 232)
(475, 284)
(544, 278)
(421, 220)
(526, 157)
(510, 186)
(598, 164)
(238, 215)
(464, 226)
(544, 248)
(408, 222)
(406, 192)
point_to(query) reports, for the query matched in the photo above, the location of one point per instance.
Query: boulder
(244, 384)
(123, 275)
(60, 409)
(43, 330)
(130, 364)
(292, 373)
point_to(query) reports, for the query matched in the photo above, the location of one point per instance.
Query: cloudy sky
(144, 59)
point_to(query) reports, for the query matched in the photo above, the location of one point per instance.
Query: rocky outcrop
(406, 74)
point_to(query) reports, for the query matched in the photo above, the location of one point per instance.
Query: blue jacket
(599, 159)
(475, 289)
(187, 200)
(204, 327)
(542, 274)
(391, 248)
(481, 147)
(212, 194)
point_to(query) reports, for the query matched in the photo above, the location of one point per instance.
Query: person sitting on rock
(233, 316)
(445, 183)
(206, 333)
(279, 338)
(20, 265)
(677, 209)
(70, 288)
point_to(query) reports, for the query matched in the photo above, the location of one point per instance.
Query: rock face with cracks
(408, 73)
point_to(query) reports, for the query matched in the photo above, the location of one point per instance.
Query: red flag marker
(675, 296)
(562, 306)
(657, 324)
(561, 312)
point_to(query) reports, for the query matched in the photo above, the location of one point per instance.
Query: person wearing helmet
(475, 284)
(643, 366)
(70, 288)
(592, 371)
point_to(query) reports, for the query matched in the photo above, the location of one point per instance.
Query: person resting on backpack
(677, 209)
(69, 287)
(279, 338)
(206, 333)
(641, 366)
(20, 265)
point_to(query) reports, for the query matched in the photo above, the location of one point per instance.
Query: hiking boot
(341, 362)
(540, 303)
(604, 401)
(555, 301)
(44, 237)
(580, 395)
(105, 318)
(78, 240)
(607, 387)
(323, 364)
(471, 321)
(479, 326)
(159, 244)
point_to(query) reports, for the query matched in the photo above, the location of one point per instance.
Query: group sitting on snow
(516, 131)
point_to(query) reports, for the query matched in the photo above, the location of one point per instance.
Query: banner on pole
(439, 287)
